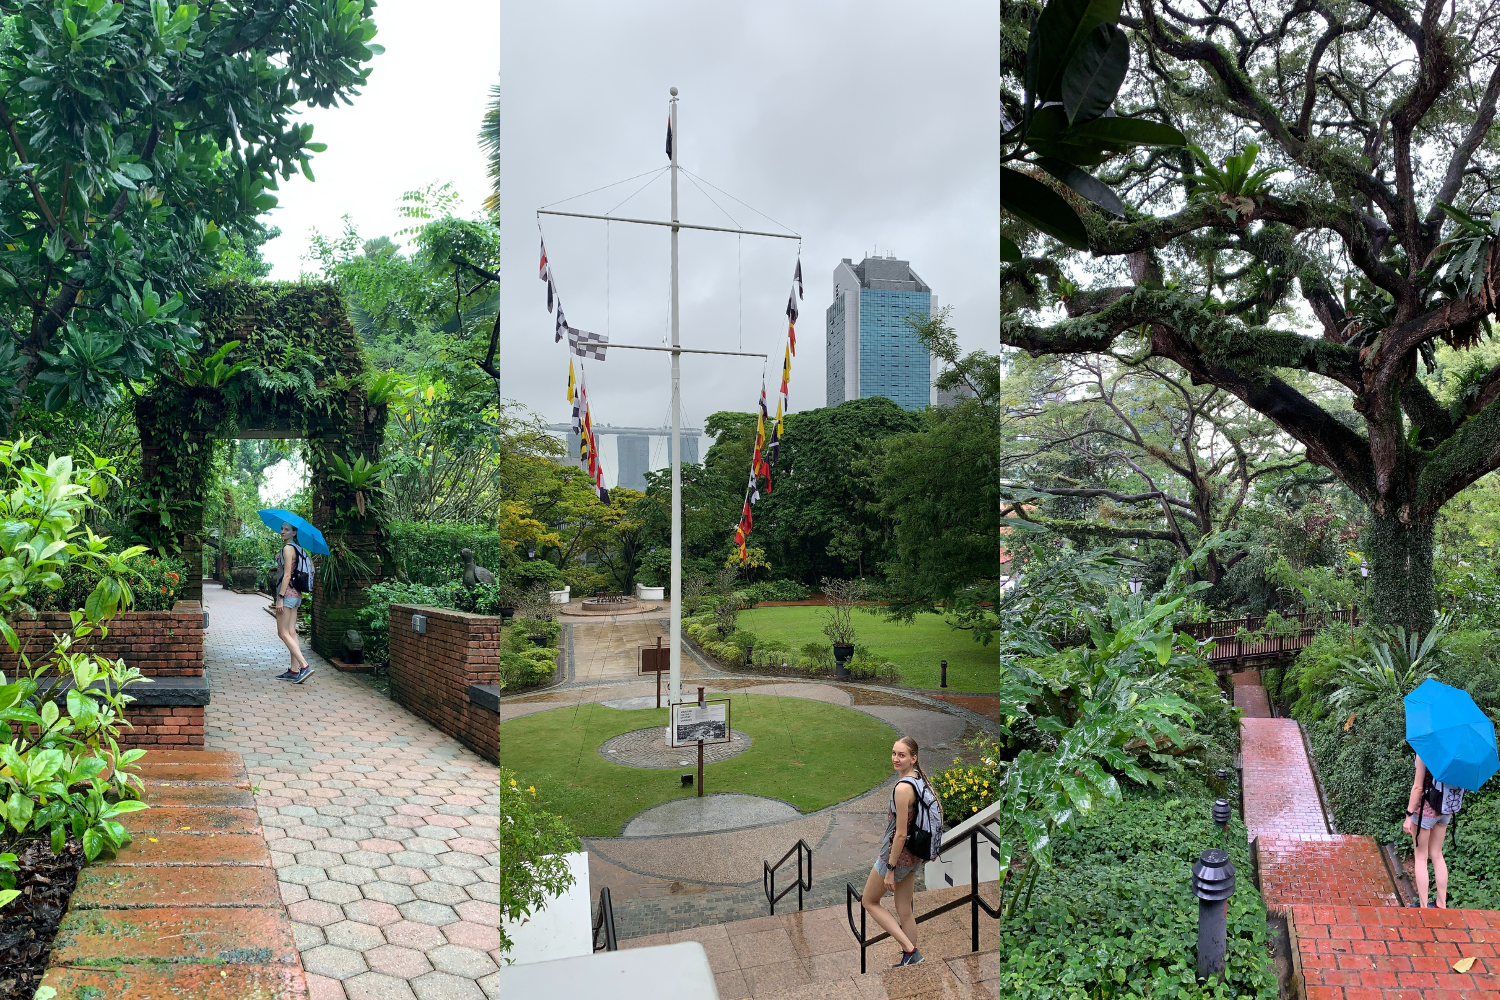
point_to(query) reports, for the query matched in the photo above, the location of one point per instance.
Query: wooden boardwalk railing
(1228, 644)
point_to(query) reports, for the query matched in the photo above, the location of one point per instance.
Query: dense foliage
(533, 843)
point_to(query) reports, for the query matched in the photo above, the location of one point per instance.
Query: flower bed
(444, 673)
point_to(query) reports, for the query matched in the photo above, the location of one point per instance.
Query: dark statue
(474, 575)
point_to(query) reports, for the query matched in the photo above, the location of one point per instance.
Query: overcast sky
(860, 126)
(857, 125)
(415, 124)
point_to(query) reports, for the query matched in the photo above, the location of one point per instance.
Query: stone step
(813, 954)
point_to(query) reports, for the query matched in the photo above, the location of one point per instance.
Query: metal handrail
(606, 922)
(768, 877)
(972, 898)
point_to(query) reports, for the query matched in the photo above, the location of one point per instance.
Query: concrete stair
(812, 955)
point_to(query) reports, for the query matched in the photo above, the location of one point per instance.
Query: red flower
(164, 590)
(173, 576)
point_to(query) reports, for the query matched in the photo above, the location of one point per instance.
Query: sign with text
(655, 660)
(690, 724)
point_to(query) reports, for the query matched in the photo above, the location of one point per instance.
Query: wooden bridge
(1238, 644)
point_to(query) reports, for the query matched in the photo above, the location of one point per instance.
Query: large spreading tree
(1370, 245)
(134, 136)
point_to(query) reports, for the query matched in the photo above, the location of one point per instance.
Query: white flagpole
(674, 684)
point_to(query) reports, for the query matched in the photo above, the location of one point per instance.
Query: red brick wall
(158, 643)
(431, 673)
(176, 727)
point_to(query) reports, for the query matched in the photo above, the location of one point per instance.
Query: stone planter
(561, 596)
(243, 578)
(843, 652)
(644, 593)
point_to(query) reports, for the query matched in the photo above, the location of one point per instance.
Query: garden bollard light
(1222, 812)
(1213, 884)
(945, 673)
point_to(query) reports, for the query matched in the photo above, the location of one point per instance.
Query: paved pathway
(1352, 938)
(382, 829)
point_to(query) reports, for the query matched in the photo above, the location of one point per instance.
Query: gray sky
(856, 125)
(416, 123)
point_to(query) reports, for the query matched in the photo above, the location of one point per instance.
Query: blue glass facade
(836, 347)
(892, 361)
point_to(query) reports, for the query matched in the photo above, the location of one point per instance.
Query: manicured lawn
(807, 753)
(916, 648)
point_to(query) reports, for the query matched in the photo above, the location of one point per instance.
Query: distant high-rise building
(871, 349)
(634, 460)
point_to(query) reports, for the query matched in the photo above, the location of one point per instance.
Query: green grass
(807, 753)
(916, 648)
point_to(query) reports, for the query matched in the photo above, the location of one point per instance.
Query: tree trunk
(1401, 585)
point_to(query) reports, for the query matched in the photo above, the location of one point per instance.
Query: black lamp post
(1213, 884)
(749, 653)
(1222, 812)
(945, 673)
(1135, 584)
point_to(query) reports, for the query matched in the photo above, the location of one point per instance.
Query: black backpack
(302, 571)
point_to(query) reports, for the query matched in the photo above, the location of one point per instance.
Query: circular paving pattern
(648, 748)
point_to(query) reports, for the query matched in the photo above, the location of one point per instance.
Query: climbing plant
(286, 363)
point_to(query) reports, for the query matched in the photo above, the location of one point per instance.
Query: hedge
(428, 553)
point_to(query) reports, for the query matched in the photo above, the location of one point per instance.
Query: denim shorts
(885, 869)
(1428, 822)
(291, 601)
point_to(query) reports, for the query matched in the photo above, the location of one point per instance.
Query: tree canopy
(1340, 255)
(135, 136)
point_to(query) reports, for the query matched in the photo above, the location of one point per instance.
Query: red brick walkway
(1352, 938)
(1383, 953)
(1281, 798)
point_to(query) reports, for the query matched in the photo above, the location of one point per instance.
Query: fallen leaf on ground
(1464, 964)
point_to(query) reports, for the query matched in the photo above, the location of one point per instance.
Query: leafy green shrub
(523, 630)
(533, 843)
(528, 574)
(776, 590)
(1366, 767)
(1312, 677)
(52, 784)
(528, 666)
(428, 553)
(375, 617)
(1116, 915)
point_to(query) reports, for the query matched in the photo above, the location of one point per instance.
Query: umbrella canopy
(1452, 736)
(308, 537)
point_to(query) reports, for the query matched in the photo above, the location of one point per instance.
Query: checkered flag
(587, 345)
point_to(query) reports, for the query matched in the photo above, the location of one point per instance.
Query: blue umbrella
(308, 537)
(1452, 736)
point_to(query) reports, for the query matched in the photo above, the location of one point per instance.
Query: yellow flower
(532, 789)
(512, 781)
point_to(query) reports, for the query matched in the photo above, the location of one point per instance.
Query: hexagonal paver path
(382, 829)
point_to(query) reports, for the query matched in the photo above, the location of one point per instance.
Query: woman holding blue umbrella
(294, 576)
(1455, 745)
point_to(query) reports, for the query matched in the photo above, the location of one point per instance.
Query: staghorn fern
(1398, 663)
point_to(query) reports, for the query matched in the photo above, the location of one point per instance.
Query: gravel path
(382, 829)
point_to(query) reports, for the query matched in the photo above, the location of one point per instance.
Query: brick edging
(191, 906)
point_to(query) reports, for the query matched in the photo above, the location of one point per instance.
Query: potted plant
(838, 619)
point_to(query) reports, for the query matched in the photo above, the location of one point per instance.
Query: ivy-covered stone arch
(304, 376)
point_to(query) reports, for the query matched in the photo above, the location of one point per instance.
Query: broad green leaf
(1084, 183)
(1095, 73)
(93, 843)
(1009, 252)
(8, 896)
(1061, 29)
(1034, 203)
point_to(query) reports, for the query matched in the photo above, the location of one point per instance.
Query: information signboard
(692, 723)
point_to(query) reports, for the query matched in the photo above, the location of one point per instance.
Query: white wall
(564, 928)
